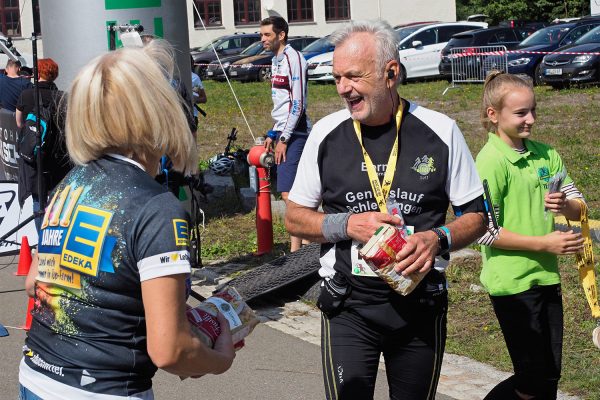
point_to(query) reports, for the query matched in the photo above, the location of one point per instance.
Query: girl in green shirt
(520, 267)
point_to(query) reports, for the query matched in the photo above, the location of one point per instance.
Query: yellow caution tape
(585, 263)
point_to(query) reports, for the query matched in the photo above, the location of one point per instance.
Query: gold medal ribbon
(380, 191)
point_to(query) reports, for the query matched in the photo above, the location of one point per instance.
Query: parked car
(258, 67)
(320, 46)
(570, 64)
(494, 36)
(227, 45)
(420, 50)
(214, 70)
(526, 58)
(320, 68)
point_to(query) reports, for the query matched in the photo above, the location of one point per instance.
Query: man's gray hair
(386, 41)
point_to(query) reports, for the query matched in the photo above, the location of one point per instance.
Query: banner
(9, 134)
(12, 215)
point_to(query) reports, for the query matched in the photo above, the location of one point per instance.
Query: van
(420, 50)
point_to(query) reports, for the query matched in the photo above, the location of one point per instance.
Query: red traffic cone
(24, 258)
(28, 315)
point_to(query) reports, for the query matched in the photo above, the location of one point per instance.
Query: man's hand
(560, 243)
(268, 144)
(280, 150)
(362, 226)
(418, 254)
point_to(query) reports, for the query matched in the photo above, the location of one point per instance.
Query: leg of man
(350, 352)
(413, 355)
(295, 242)
(532, 325)
(286, 172)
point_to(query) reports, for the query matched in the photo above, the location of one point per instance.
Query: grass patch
(567, 120)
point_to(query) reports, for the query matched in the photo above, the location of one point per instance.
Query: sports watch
(283, 139)
(443, 241)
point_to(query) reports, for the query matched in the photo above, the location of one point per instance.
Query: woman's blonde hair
(497, 85)
(123, 102)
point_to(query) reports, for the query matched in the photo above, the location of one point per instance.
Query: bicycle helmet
(221, 166)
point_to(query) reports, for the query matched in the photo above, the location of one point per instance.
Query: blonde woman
(110, 280)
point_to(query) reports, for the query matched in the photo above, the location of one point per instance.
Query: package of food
(203, 318)
(380, 255)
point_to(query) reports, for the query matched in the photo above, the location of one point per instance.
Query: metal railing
(472, 64)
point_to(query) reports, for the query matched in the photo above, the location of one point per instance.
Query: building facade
(209, 19)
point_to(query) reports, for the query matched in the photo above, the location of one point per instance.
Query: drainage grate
(278, 273)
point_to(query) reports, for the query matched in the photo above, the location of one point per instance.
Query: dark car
(575, 63)
(227, 45)
(526, 58)
(494, 36)
(320, 46)
(258, 68)
(214, 70)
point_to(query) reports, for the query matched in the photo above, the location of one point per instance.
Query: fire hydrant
(262, 160)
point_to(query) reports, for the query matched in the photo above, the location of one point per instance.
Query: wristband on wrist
(443, 243)
(334, 227)
(272, 134)
(447, 232)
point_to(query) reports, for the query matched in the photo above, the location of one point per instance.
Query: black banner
(9, 135)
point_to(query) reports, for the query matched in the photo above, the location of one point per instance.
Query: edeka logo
(180, 228)
(126, 4)
(85, 238)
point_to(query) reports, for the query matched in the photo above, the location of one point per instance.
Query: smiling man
(289, 93)
(382, 147)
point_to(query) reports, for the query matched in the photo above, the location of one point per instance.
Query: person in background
(55, 162)
(198, 93)
(11, 85)
(520, 265)
(289, 91)
(109, 279)
(382, 147)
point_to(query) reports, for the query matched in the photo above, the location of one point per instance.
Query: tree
(538, 10)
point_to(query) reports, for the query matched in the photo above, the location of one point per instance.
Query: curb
(561, 224)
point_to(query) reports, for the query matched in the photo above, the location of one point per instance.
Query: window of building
(299, 10)
(246, 12)
(336, 10)
(210, 12)
(9, 17)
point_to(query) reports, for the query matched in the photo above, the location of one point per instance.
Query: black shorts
(409, 331)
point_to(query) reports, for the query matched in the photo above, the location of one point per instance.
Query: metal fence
(472, 64)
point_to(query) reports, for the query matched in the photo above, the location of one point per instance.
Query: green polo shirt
(518, 183)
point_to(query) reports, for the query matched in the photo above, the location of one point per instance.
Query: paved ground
(280, 361)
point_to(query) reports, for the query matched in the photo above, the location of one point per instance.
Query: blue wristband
(447, 231)
(272, 134)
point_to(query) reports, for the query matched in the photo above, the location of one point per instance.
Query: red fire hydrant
(262, 159)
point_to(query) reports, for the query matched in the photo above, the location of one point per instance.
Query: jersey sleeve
(463, 184)
(160, 238)
(297, 83)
